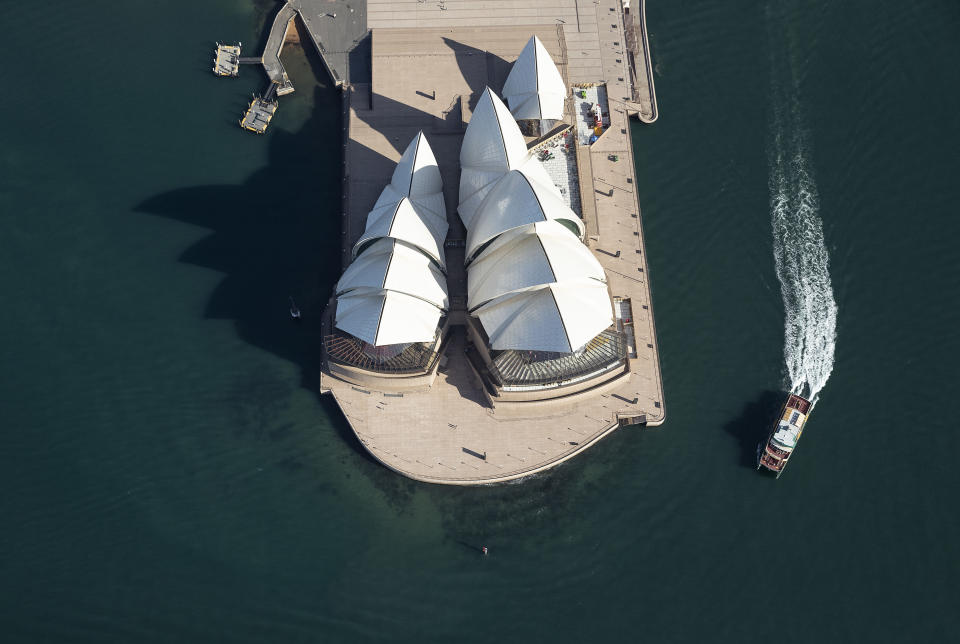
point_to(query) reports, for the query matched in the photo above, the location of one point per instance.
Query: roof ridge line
(547, 256)
(496, 116)
(560, 315)
(383, 307)
(386, 272)
(413, 166)
(535, 195)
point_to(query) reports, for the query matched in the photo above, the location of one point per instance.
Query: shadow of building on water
(279, 234)
(275, 235)
(753, 424)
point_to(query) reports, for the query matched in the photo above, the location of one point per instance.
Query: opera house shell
(534, 89)
(391, 302)
(538, 314)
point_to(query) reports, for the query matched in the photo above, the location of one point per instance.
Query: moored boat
(785, 434)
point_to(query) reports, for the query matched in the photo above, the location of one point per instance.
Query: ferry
(783, 437)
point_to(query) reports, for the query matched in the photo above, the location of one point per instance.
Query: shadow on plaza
(480, 68)
(753, 424)
(399, 121)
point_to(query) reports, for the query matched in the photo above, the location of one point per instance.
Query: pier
(271, 52)
(335, 27)
(429, 64)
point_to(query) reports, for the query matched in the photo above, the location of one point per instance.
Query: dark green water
(169, 473)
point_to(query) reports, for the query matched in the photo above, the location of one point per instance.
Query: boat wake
(801, 256)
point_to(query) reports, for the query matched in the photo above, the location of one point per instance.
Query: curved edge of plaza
(400, 465)
(447, 433)
(536, 468)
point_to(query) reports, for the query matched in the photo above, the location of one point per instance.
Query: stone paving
(562, 168)
(580, 20)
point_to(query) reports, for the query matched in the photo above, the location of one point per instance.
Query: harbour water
(170, 473)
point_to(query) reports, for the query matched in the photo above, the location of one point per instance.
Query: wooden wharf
(260, 112)
(261, 109)
(226, 60)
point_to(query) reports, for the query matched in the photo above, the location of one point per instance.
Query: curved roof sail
(531, 281)
(395, 292)
(411, 206)
(417, 174)
(492, 146)
(529, 256)
(559, 317)
(396, 266)
(514, 201)
(432, 205)
(403, 220)
(382, 316)
(534, 88)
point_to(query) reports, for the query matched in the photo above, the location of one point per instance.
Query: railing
(539, 369)
(556, 132)
(417, 357)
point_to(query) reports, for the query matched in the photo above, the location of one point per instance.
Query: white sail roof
(492, 146)
(394, 292)
(560, 317)
(530, 166)
(534, 88)
(404, 220)
(381, 316)
(415, 192)
(432, 204)
(529, 256)
(514, 201)
(396, 266)
(417, 174)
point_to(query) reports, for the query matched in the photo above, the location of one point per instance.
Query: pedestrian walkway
(561, 165)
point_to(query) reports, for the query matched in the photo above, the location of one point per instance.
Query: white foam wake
(800, 253)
